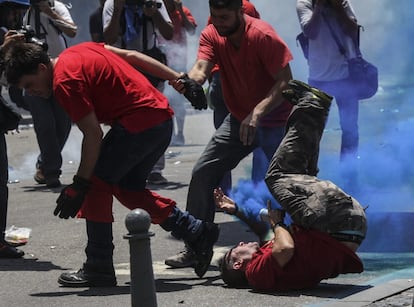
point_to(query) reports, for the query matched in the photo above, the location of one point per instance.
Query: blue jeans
(52, 127)
(222, 154)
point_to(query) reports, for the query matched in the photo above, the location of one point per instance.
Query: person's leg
(220, 112)
(120, 152)
(222, 154)
(299, 149)
(45, 123)
(6, 251)
(269, 140)
(4, 191)
(178, 104)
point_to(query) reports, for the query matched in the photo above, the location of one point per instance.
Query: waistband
(348, 237)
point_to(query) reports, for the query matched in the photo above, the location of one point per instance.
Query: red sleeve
(274, 53)
(190, 17)
(206, 48)
(250, 10)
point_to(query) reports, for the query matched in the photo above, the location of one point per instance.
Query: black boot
(98, 270)
(198, 236)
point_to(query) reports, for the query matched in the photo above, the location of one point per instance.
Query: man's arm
(272, 100)
(188, 24)
(60, 18)
(91, 144)
(347, 23)
(145, 63)
(200, 71)
(283, 244)
(165, 27)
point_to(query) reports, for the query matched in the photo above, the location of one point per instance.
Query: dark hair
(231, 277)
(225, 4)
(23, 59)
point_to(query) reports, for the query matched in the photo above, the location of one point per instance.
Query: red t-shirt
(317, 256)
(89, 78)
(247, 73)
(248, 9)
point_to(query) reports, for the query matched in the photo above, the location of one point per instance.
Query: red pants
(97, 206)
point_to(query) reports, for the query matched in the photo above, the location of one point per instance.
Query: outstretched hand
(224, 202)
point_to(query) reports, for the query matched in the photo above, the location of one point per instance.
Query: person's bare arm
(67, 27)
(200, 71)
(347, 23)
(188, 25)
(91, 144)
(165, 28)
(272, 100)
(283, 245)
(145, 63)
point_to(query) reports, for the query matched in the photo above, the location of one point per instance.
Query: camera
(144, 3)
(30, 37)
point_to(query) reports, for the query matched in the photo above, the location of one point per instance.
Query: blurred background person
(50, 21)
(134, 24)
(323, 22)
(95, 24)
(11, 14)
(176, 51)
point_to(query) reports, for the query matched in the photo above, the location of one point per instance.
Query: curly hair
(231, 277)
(23, 59)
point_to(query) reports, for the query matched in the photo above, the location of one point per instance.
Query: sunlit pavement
(57, 245)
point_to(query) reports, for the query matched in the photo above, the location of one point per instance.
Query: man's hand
(224, 202)
(193, 91)
(71, 198)
(275, 215)
(247, 130)
(12, 37)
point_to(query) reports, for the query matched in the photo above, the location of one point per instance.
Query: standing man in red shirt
(176, 51)
(254, 69)
(328, 225)
(99, 84)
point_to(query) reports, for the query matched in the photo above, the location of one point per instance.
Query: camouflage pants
(291, 178)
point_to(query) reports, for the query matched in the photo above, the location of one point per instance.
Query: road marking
(159, 267)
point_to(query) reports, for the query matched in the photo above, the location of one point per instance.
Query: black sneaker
(83, 278)
(7, 251)
(203, 247)
(301, 89)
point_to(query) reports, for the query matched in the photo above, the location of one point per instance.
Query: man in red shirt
(328, 225)
(99, 84)
(254, 69)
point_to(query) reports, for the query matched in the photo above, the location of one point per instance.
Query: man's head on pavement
(29, 67)
(233, 264)
(226, 16)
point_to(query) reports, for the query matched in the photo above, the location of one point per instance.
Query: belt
(347, 237)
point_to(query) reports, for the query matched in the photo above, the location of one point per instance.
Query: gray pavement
(57, 245)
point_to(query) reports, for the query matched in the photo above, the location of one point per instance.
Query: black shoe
(84, 278)
(203, 248)
(303, 90)
(7, 251)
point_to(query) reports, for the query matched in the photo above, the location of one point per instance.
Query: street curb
(381, 288)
